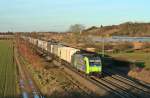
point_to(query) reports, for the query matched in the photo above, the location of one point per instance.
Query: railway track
(76, 83)
(116, 90)
(142, 83)
(135, 89)
(112, 88)
(34, 88)
(102, 84)
(119, 86)
(27, 85)
(24, 87)
(136, 83)
(128, 81)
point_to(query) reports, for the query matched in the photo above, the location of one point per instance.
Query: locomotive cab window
(95, 62)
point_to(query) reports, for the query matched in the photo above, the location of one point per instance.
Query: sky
(58, 15)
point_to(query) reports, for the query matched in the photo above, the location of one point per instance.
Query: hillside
(125, 29)
(83, 40)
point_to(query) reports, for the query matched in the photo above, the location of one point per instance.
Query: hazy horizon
(54, 15)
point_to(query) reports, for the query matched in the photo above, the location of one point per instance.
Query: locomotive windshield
(95, 61)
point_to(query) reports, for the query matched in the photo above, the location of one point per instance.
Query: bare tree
(76, 31)
(77, 28)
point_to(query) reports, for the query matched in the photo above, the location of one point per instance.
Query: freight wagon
(42, 44)
(66, 53)
(33, 41)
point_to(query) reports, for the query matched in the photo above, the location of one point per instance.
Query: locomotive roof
(88, 54)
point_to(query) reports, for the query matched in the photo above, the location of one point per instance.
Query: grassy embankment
(143, 56)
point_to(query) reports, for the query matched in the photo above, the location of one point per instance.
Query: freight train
(85, 62)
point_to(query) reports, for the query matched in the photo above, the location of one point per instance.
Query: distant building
(6, 35)
(119, 39)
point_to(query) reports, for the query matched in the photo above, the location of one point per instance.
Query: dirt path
(27, 86)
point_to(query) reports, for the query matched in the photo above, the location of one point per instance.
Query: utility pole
(12, 30)
(103, 47)
(80, 32)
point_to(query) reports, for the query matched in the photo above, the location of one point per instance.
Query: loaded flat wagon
(57, 49)
(63, 53)
(51, 51)
(45, 43)
(39, 43)
(42, 44)
(30, 40)
(70, 53)
(59, 52)
(35, 41)
(66, 53)
(49, 47)
(24, 37)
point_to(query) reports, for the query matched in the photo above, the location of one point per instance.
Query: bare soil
(140, 75)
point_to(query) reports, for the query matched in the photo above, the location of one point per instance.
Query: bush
(123, 47)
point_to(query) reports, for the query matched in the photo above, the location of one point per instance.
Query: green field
(135, 56)
(7, 70)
